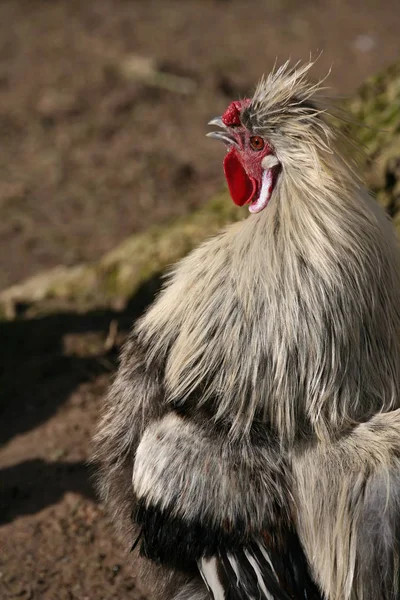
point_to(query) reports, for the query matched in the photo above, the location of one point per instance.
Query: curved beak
(218, 122)
(225, 135)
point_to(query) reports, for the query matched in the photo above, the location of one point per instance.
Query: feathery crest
(286, 110)
(286, 91)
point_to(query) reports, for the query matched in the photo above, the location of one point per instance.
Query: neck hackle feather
(283, 311)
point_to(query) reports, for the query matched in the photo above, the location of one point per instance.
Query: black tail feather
(258, 572)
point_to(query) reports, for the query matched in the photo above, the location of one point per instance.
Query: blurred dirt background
(103, 112)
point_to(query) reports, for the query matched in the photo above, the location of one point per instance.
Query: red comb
(232, 114)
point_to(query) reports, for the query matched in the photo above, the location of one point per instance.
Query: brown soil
(90, 154)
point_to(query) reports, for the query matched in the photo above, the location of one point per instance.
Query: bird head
(276, 133)
(250, 165)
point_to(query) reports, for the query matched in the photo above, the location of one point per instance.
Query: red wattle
(241, 187)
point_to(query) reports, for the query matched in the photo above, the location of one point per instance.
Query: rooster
(250, 443)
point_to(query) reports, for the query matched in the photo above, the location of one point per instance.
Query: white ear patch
(265, 193)
(269, 161)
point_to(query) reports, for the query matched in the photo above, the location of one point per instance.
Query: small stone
(364, 43)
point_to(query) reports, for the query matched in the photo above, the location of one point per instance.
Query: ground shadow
(32, 485)
(36, 377)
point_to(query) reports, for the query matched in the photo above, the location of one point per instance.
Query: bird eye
(256, 142)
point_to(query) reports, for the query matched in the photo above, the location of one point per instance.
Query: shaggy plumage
(255, 395)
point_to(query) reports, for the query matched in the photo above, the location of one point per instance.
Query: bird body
(253, 429)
